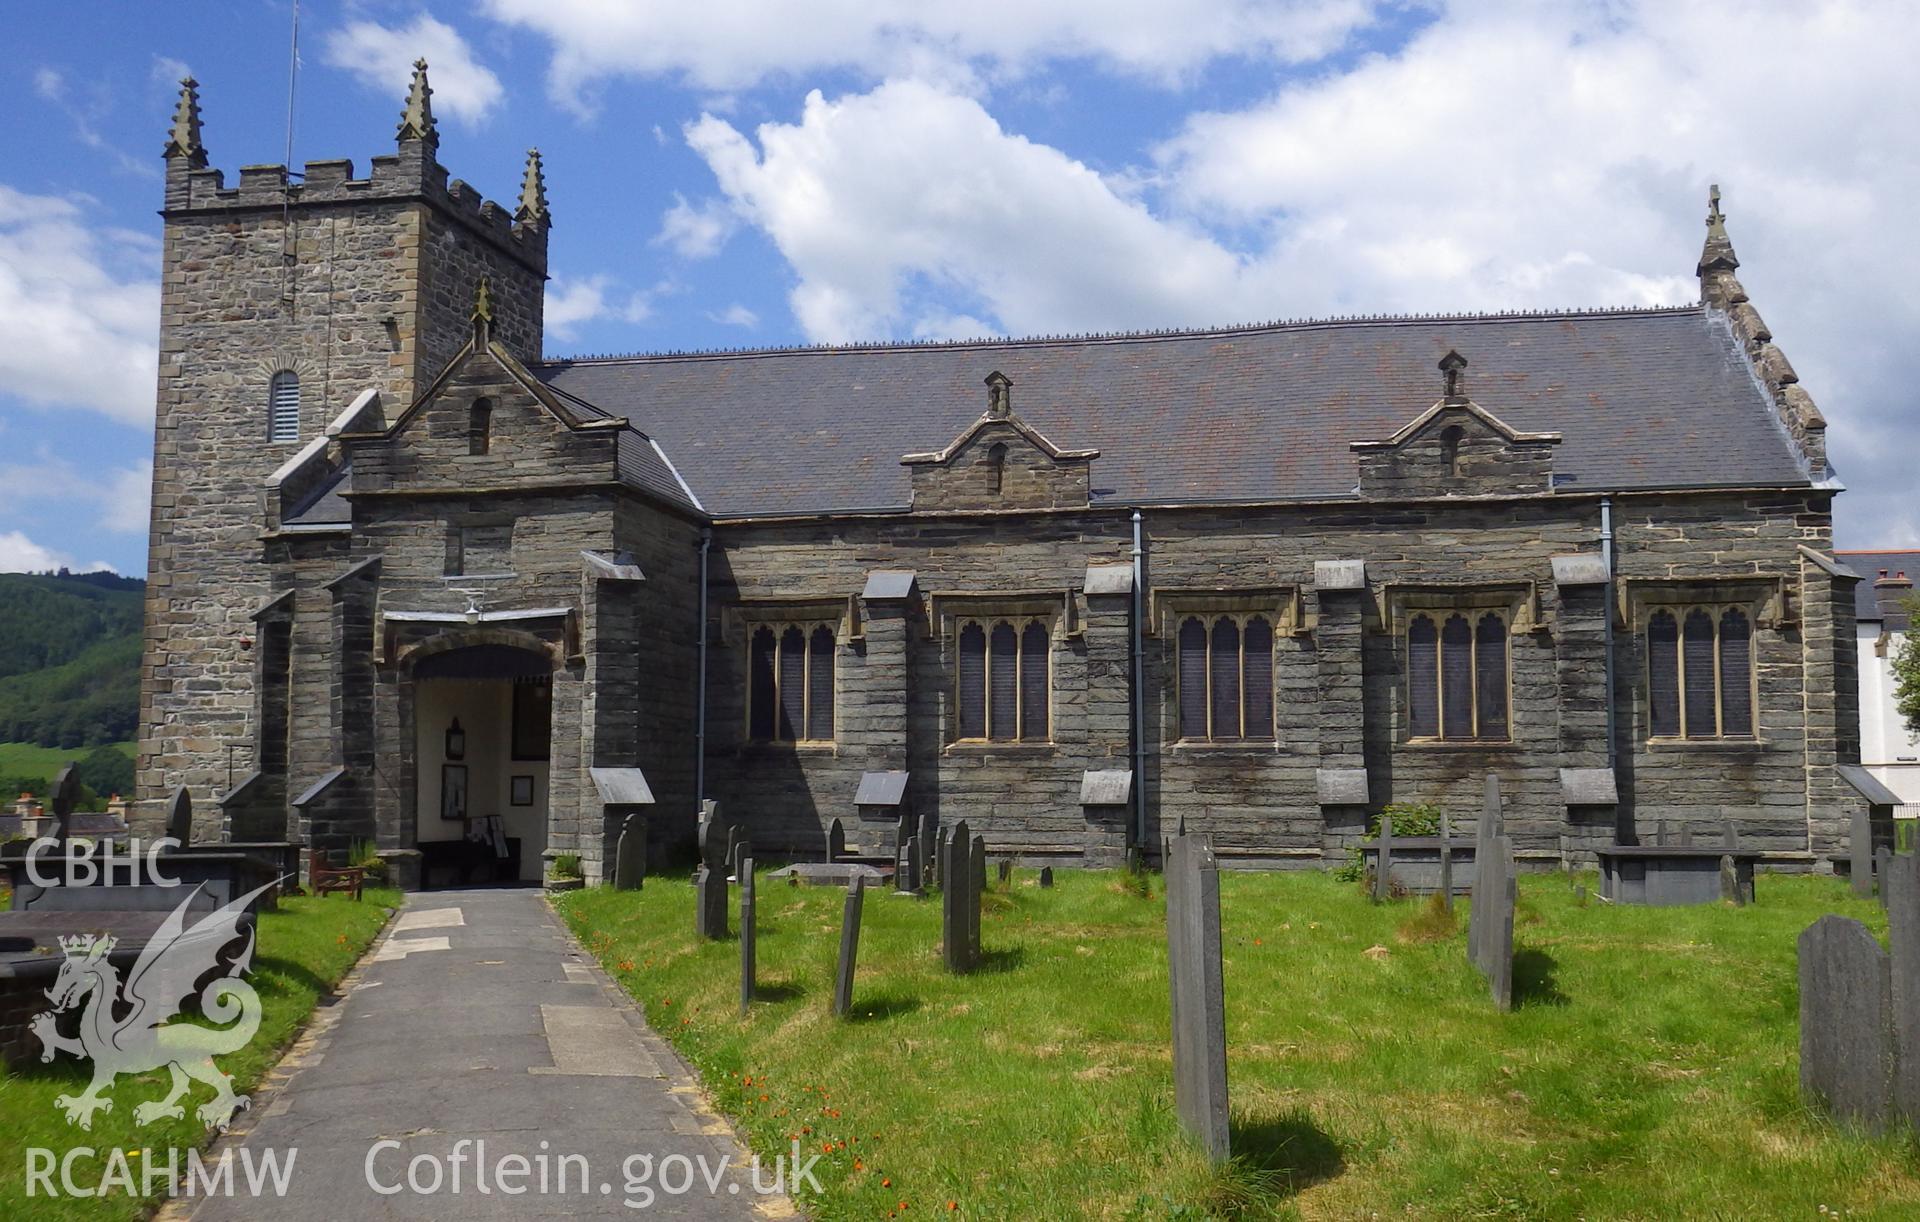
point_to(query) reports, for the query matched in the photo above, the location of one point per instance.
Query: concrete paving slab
(502, 1038)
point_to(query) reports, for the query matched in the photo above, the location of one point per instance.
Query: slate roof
(1869, 566)
(1644, 398)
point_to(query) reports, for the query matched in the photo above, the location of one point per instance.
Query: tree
(1906, 673)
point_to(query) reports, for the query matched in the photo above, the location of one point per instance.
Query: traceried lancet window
(1457, 678)
(790, 683)
(1225, 666)
(283, 407)
(1700, 672)
(1003, 684)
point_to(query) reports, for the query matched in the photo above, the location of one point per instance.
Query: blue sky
(758, 172)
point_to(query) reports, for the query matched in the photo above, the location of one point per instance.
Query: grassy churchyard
(302, 951)
(1648, 1069)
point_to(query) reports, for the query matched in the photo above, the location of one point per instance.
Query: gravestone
(977, 855)
(1495, 890)
(1860, 851)
(66, 795)
(749, 929)
(906, 868)
(1199, 1001)
(1383, 861)
(180, 816)
(929, 837)
(1846, 1022)
(1882, 863)
(1446, 861)
(957, 895)
(1901, 887)
(1046, 877)
(709, 903)
(725, 864)
(630, 855)
(742, 852)
(1006, 870)
(709, 832)
(849, 946)
(1730, 888)
(836, 840)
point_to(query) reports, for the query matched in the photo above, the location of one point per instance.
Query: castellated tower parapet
(281, 301)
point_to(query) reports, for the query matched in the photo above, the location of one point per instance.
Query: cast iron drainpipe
(1606, 553)
(1139, 690)
(700, 716)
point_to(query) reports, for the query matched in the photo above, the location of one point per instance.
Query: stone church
(411, 578)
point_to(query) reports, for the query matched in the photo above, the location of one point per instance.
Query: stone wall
(1339, 669)
(350, 283)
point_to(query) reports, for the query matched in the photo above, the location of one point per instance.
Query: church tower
(282, 299)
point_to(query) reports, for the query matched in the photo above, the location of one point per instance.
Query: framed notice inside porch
(453, 791)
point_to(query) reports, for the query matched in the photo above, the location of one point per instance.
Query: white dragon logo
(128, 1029)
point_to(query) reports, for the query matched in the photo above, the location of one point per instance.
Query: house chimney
(1892, 593)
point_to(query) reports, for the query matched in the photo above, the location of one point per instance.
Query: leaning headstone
(749, 929)
(709, 903)
(1484, 835)
(1846, 1022)
(1882, 864)
(1006, 870)
(66, 795)
(1383, 861)
(978, 858)
(1901, 887)
(849, 946)
(906, 868)
(1046, 877)
(180, 816)
(836, 840)
(1860, 854)
(1730, 889)
(1199, 1001)
(725, 864)
(1446, 862)
(630, 855)
(742, 853)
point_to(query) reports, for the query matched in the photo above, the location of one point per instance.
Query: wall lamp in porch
(456, 741)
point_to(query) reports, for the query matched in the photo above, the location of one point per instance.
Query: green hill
(69, 658)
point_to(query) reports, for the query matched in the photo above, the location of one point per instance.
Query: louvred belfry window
(1224, 667)
(1457, 676)
(1700, 672)
(790, 683)
(1003, 680)
(283, 407)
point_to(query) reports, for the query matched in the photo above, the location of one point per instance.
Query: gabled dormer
(1456, 448)
(1000, 462)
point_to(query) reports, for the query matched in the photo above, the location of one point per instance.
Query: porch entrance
(483, 718)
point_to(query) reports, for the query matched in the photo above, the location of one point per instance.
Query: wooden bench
(325, 879)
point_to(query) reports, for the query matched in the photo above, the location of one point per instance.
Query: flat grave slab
(832, 873)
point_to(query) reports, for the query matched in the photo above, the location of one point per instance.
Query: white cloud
(86, 111)
(875, 197)
(19, 554)
(571, 304)
(463, 88)
(695, 231)
(126, 500)
(736, 315)
(737, 43)
(79, 316)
